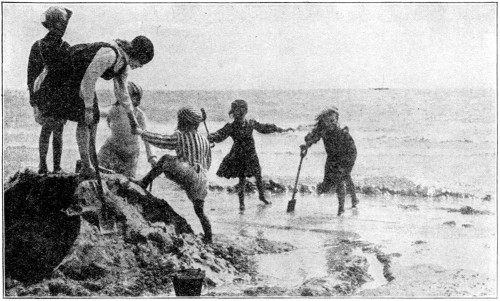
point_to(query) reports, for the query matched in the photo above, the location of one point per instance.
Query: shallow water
(412, 227)
(443, 139)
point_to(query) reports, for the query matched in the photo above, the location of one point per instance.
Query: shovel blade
(107, 224)
(291, 206)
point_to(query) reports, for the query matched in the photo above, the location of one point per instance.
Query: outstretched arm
(313, 137)
(221, 134)
(159, 140)
(266, 128)
(142, 120)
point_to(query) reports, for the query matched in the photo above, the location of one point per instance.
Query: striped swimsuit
(190, 146)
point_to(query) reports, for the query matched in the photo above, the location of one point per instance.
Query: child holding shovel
(242, 161)
(189, 167)
(341, 155)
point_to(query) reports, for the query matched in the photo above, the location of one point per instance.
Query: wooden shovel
(291, 203)
(107, 223)
(204, 116)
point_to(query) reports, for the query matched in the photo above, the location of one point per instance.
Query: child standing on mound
(47, 67)
(121, 150)
(242, 161)
(341, 155)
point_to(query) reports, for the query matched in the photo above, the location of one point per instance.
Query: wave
(371, 186)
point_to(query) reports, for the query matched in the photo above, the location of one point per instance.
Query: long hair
(320, 119)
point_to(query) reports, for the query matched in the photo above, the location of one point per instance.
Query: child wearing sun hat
(189, 167)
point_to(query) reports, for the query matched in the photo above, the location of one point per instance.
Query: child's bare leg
(341, 196)
(241, 193)
(351, 189)
(205, 223)
(260, 188)
(43, 148)
(57, 146)
(85, 136)
(82, 139)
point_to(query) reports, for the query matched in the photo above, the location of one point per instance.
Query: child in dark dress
(341, 155)
(47, 67)
(242, 161)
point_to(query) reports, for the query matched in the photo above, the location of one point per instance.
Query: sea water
(444, 140)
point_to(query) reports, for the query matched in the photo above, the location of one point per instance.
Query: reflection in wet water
(379, 220)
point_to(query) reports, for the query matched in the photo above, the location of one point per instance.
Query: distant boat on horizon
(382, 87)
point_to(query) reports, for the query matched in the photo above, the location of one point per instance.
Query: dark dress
(341, 153)
(242, 160)
(71, 105)
(51, 52)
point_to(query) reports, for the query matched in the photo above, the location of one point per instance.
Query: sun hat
(54, 16)
(142, 50)
(238, 103)
(190, 114)
(135, 92)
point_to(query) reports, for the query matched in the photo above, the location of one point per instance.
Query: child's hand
(303, 150)
(152, 160)
(137, 131)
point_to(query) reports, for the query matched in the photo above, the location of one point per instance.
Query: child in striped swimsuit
(189, 167)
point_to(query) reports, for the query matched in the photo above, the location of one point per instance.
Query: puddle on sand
(375, 269)
(295, 267)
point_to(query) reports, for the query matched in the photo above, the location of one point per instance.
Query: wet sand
(433, 249)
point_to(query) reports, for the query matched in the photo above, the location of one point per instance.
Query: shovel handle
(204, 117)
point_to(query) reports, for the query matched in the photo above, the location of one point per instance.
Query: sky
(278, 45)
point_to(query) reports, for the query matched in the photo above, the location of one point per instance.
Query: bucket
(188, 282)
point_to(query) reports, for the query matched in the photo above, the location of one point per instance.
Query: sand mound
(54, 246)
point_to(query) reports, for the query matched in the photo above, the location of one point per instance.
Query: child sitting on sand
(189, 167)
(242, 160)
(120, 152)
(46, 69)
(341, 155)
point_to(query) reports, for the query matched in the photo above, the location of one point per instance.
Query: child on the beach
(242, 161)
(120, 152)
(46, 69)
(341, 155)
(189, 167)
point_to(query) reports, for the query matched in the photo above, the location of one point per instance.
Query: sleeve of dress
(142, 120)
(34, 66)
(103, 59)
(121, 91)
(161, 141)
(313, 137)
(265, 128)
(221, 134)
